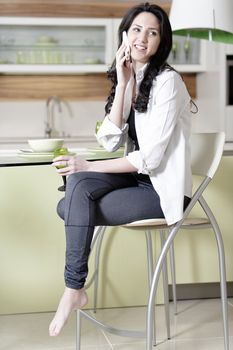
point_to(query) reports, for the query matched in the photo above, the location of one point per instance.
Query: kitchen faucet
(50, 103)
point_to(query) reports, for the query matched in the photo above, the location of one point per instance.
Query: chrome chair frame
(97, 240)
(207, 171)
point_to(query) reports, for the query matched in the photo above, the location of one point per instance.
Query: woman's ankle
(71, 300)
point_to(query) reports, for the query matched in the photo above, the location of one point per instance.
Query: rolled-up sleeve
(136, 159)
(167, 103)
(110, 136)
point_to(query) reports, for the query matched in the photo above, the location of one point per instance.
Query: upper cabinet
(74, 37)
(37, 45)
(188, 55)
(55, 45)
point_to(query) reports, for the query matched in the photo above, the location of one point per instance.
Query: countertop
(9, 158)
(9, 145)
(228, 149)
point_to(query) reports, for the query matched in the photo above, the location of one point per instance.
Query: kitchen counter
(9, 158)
(34, 241)
(14, 144)
(228, 149)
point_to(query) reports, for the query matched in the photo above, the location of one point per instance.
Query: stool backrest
(206, 152)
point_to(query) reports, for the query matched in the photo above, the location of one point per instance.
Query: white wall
(26, 119)
(210, 94)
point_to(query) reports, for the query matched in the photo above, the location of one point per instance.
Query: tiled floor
(198, 326)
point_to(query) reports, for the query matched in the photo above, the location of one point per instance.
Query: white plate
(28, 154)
(49, 156)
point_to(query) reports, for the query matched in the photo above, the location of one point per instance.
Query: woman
(150, 107)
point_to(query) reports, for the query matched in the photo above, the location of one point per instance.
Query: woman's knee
(61, 208)
(78, 186)
(85, 182)
(75, 178)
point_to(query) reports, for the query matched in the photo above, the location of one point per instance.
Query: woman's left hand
(67, 165)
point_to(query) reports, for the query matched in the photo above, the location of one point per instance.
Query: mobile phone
(126, 42)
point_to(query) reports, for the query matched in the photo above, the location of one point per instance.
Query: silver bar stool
(207, 151)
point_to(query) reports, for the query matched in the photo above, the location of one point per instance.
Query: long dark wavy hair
(157, 63)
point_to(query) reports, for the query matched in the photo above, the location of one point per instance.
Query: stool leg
(222, 270)
(173, 276)
(165, 286)
(155, 280)
(150, 270)
(97, 237)
(97, 261)
(78, 330)
(97, 231)
(149, 256)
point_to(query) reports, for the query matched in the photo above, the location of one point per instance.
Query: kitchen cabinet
(46, 56)
(71, 8)
(76, 45)
(32, 255)
(188, 55)
(41, 58)
(33, 245)
(55, 45)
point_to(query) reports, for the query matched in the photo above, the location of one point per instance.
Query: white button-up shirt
(163, 133)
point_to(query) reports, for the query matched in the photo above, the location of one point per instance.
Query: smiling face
(144, 38)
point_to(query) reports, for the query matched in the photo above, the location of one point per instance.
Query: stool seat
(162, 224)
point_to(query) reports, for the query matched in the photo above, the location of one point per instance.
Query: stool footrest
(110, 329)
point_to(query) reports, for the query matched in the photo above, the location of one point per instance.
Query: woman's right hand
(67, 165)
(123, 71)
(123, 65)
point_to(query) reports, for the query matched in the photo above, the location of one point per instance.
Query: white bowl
(45, 145)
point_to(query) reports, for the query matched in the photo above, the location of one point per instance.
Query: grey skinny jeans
(100, 199)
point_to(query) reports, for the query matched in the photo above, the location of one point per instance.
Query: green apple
(60, 152)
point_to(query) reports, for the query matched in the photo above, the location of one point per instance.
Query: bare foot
(71, 300)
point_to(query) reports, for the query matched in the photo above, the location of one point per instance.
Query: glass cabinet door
(26, 43)
(187, 54)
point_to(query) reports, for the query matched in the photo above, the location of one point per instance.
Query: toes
(53, 330)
